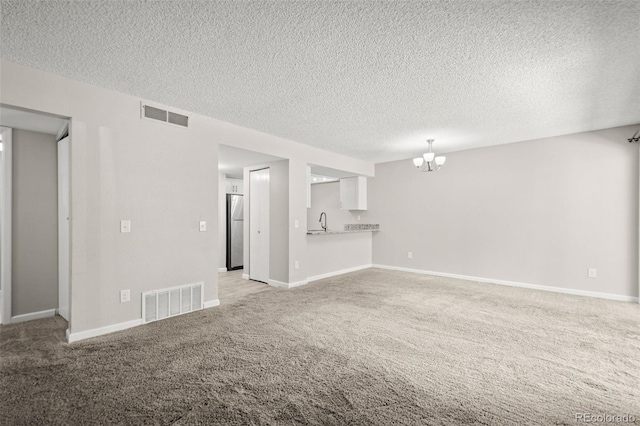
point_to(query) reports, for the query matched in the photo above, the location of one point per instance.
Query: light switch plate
(125, 226)
(203, 226)
(296, 223)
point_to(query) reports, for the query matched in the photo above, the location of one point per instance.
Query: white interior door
(64, 214)
(259, 225)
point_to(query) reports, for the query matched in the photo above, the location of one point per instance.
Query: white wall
(161, 177)
(538, 212)
(298, 211)
(325, 197)
(330, 253)
(279, 221)
(158, 176)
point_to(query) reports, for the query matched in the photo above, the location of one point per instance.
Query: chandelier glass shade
(429, 162)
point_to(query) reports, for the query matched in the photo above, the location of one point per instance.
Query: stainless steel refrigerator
(235, 229)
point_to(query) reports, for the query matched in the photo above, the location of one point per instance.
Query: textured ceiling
(368, 79)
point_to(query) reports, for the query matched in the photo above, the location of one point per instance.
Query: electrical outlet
(296, 264)
(409, 255)
(358, 217)
(125, 226)
(125, 296)
(203, 226)
(592, 272)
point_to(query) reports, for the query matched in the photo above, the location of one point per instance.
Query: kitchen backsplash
(361, 227)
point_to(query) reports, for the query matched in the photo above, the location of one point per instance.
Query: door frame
(67, 308)
(248, 210)
(5, 223)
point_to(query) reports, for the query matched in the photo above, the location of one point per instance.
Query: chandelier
(429, 162)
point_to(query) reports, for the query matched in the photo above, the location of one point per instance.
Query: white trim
(33, 316)
(280, 284)
(5, 223)
(63, 162)
(211, 303)
(245, 276)
(609, 296)
(298, 283)
(64, 129)
(95, 332)
(222, 269)
(340, 272)
(275, 283)
(1, 305)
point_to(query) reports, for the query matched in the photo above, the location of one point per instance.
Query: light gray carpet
(373, 347)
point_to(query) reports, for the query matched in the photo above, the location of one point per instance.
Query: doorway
(35, 174)
(234, 168)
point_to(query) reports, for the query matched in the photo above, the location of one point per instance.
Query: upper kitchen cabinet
(234, 186)
(353, 193)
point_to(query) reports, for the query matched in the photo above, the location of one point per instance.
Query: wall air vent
(153, 113)
(180, 120)
(169, 302)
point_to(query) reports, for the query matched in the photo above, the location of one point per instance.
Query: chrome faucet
(324, 226)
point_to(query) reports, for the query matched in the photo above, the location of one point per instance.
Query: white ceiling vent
(153, 113)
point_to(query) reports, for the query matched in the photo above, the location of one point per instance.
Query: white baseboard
(608, 296)
(245, 276)
(222, 269)
(281, 284)
(74, 337)
(211, 303)
(33, 316)
(275, 283)
(298, 283)
(340, 272)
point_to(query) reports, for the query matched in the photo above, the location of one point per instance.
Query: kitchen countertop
(321, 232)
